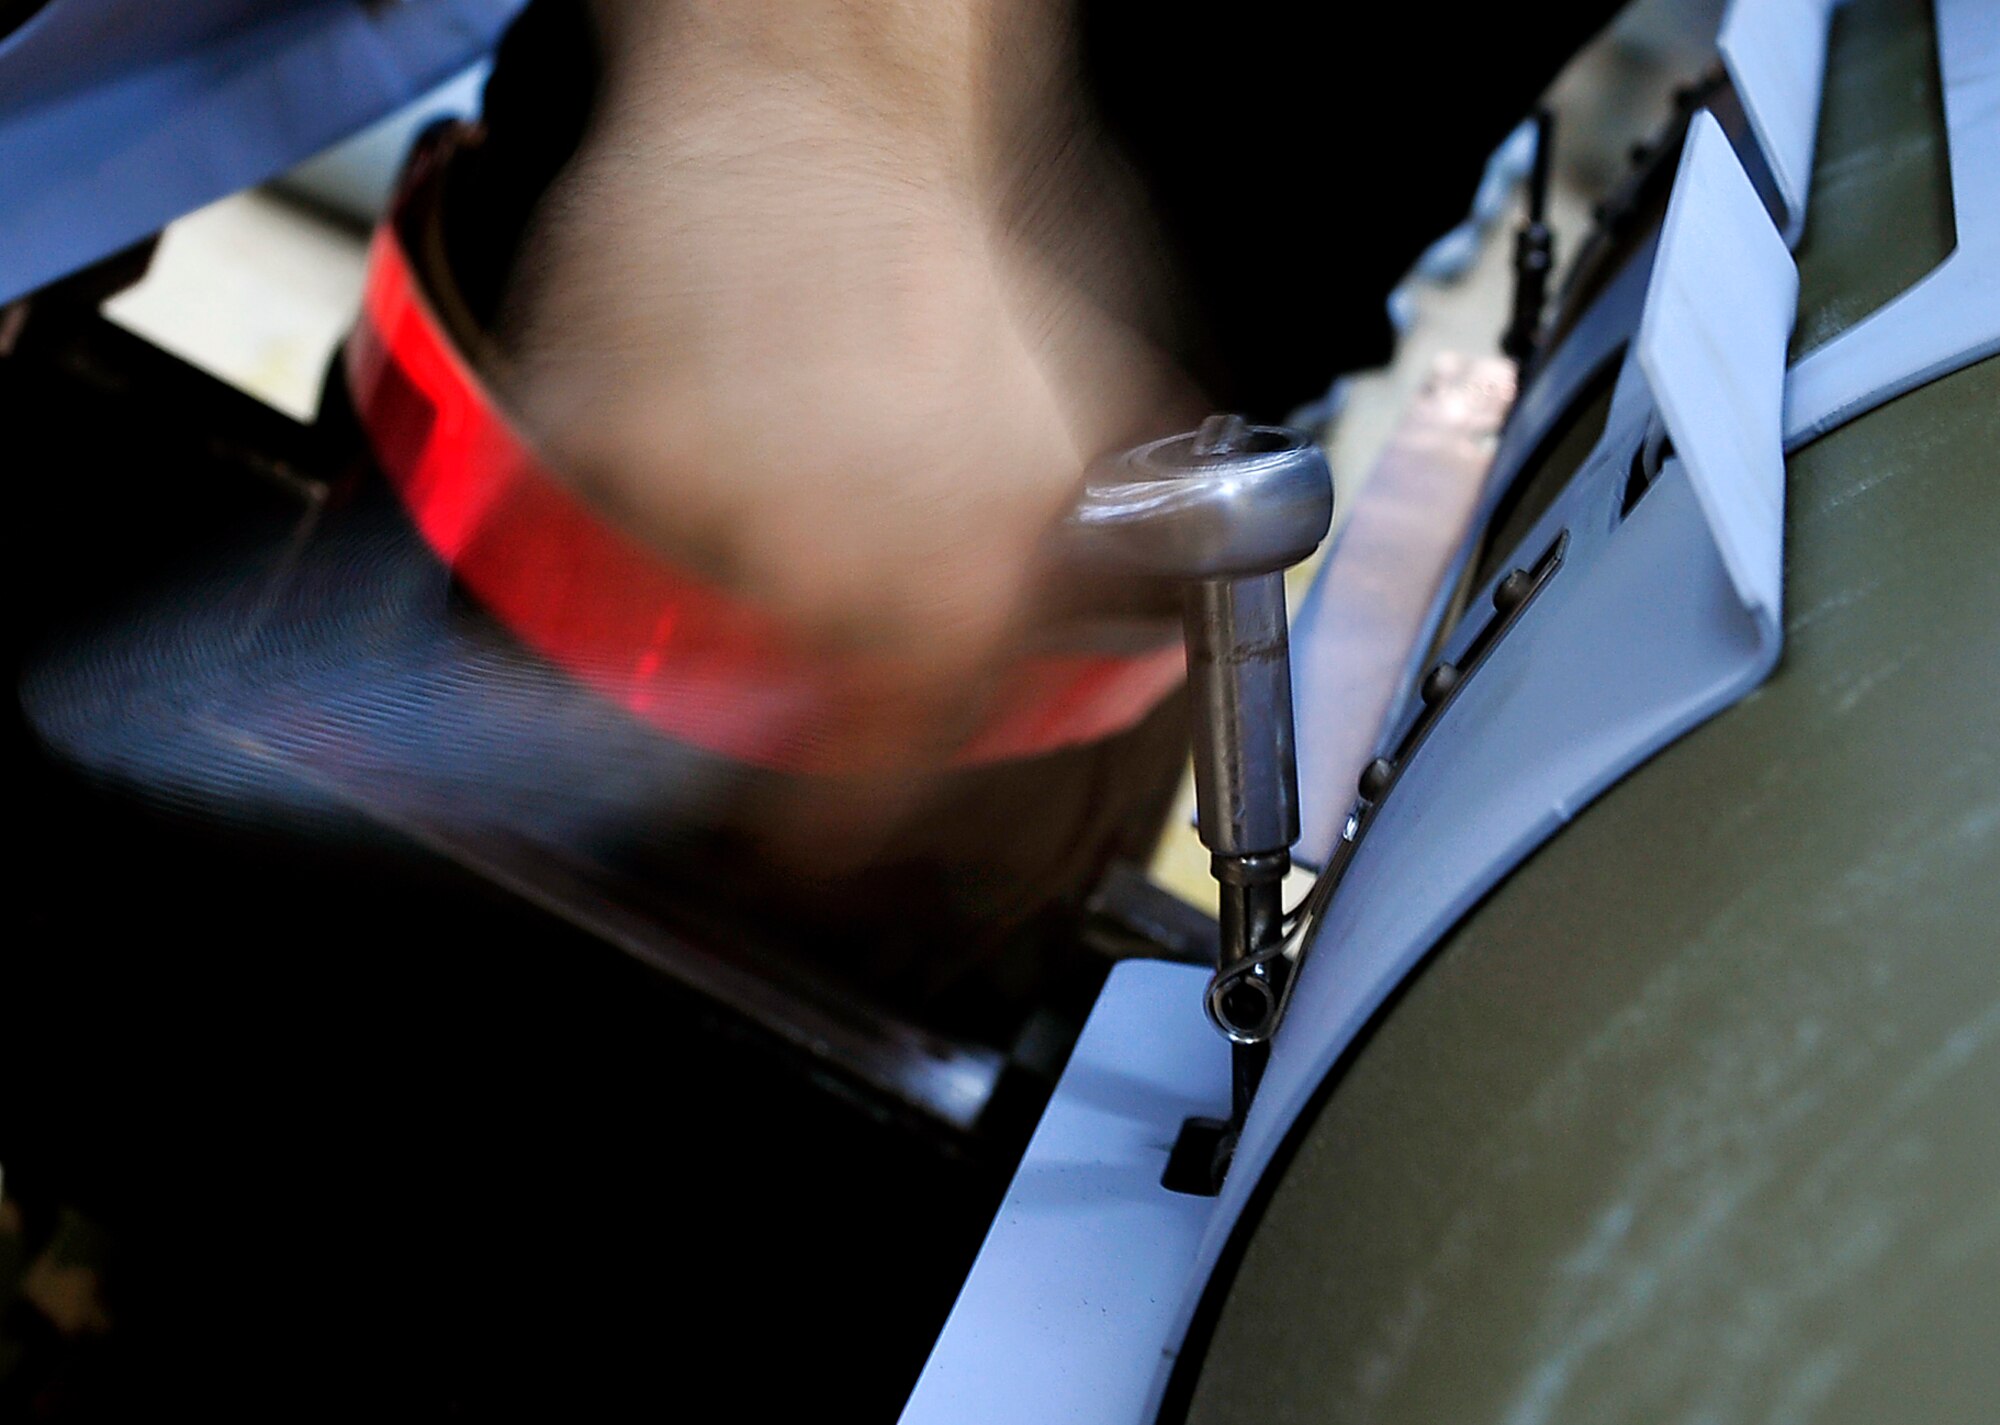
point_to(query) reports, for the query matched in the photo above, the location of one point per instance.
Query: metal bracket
(1775, 54)
(1951, 318)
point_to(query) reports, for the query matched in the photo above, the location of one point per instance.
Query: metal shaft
(1246, 776)
(1245, 768)
(1227, 508)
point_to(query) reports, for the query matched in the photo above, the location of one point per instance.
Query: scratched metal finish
(1698, 1117)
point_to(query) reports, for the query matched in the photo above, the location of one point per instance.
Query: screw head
(1511, 592)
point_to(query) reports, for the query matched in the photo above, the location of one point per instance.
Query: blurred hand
(831, 308)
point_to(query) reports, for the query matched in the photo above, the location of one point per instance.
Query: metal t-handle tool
(1227, 509)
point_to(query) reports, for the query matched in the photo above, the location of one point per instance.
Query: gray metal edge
(1062, 1316)
(1775, 54)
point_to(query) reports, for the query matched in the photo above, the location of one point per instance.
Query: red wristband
(698, 664)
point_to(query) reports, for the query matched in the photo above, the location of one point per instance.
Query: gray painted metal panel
(1065, 1311)
(1775, 53)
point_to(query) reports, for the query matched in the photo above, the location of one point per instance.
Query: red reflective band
(703, 667)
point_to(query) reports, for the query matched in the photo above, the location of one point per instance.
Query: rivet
(1438, 683)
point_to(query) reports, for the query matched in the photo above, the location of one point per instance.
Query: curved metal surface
(1693, 1118)
(1171, 510)
(1659, 621)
